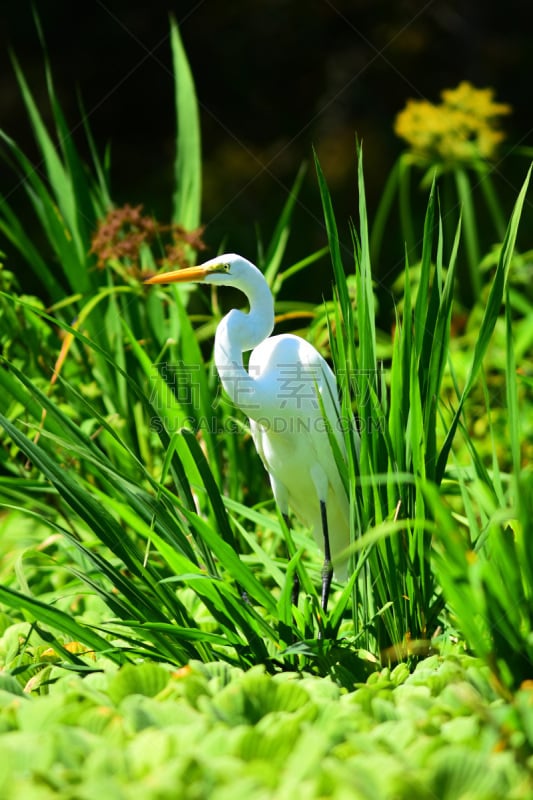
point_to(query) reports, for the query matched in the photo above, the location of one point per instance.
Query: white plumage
(280, 394)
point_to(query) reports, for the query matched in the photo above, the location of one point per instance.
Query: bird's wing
(291, 433)
(295, 386)
(279, 490)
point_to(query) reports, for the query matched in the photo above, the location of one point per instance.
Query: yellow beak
(181, 275)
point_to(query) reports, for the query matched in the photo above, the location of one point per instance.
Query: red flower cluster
(123, 231)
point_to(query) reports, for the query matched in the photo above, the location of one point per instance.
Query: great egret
(280, 394)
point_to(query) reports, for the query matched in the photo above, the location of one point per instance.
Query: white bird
(280, 395)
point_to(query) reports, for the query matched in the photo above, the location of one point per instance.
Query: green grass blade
(60, 621)
(15, 232)
(407, 214)
(278, 241)
(160, 425)
(60, 181)
(213, 492)
(513, 408)
(464, 193)
(421, 315)
(366, 312)
(383, 212)
(53, 223)
(488, 322)
(54, 168)
(333, 237)
(81, 220)
(188, 166)
(440, 315)
(231, 561)
(94, 515)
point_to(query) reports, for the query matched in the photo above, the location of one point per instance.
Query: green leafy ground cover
(150, 646)
(213, 731)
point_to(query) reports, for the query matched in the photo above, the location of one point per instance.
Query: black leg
(327, 569)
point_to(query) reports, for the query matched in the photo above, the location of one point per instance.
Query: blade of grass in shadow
(524, 533)
(422, 321)
(513, 409)
(188, 166)
(407, 214)
(399, 395)
(464, 193)
(15, 232)
(343, 342)
(488, 321)
(366, 312)
(373, 452)
(278, 241)
(81, 219)
(103, 200)
(383, 211)
(58, 213)
(439, 351)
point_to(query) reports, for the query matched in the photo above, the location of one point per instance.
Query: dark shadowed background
(274, 79)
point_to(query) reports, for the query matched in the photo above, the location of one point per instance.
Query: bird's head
(239, 273)
(226, 270)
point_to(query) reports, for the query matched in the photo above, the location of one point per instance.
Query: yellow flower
(475, 102)
(461, 128)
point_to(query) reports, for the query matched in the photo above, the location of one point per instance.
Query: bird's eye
(222, 267)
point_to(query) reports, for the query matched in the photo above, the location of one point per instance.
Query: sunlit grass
(119, 445)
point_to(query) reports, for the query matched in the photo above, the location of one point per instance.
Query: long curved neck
(239, 332)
